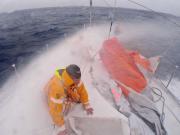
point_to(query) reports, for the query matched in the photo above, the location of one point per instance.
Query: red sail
(121, 64)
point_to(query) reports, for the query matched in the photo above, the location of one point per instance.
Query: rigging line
(168, 108)
(110, 29)
(167, 90)
(161, 97)
(90, 12)
(112, 17)
(168, 19)
(145, 7)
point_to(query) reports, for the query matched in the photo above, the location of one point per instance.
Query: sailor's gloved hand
(89, 111)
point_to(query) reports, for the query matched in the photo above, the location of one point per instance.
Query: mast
(112, 18)
(90, 13)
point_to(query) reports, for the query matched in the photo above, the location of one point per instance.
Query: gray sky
(168, 6)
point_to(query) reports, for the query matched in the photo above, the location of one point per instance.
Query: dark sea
(26, 33)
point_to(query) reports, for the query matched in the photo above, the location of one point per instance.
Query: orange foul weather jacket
(59, 89)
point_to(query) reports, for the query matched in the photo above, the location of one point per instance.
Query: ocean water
(27, 33)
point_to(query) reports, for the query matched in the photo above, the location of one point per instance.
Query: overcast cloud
(168, 6)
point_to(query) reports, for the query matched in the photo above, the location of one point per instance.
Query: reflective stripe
(57, 74)
(86, 103)
(57, 101)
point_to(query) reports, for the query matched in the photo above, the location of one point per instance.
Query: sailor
(65, 88)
